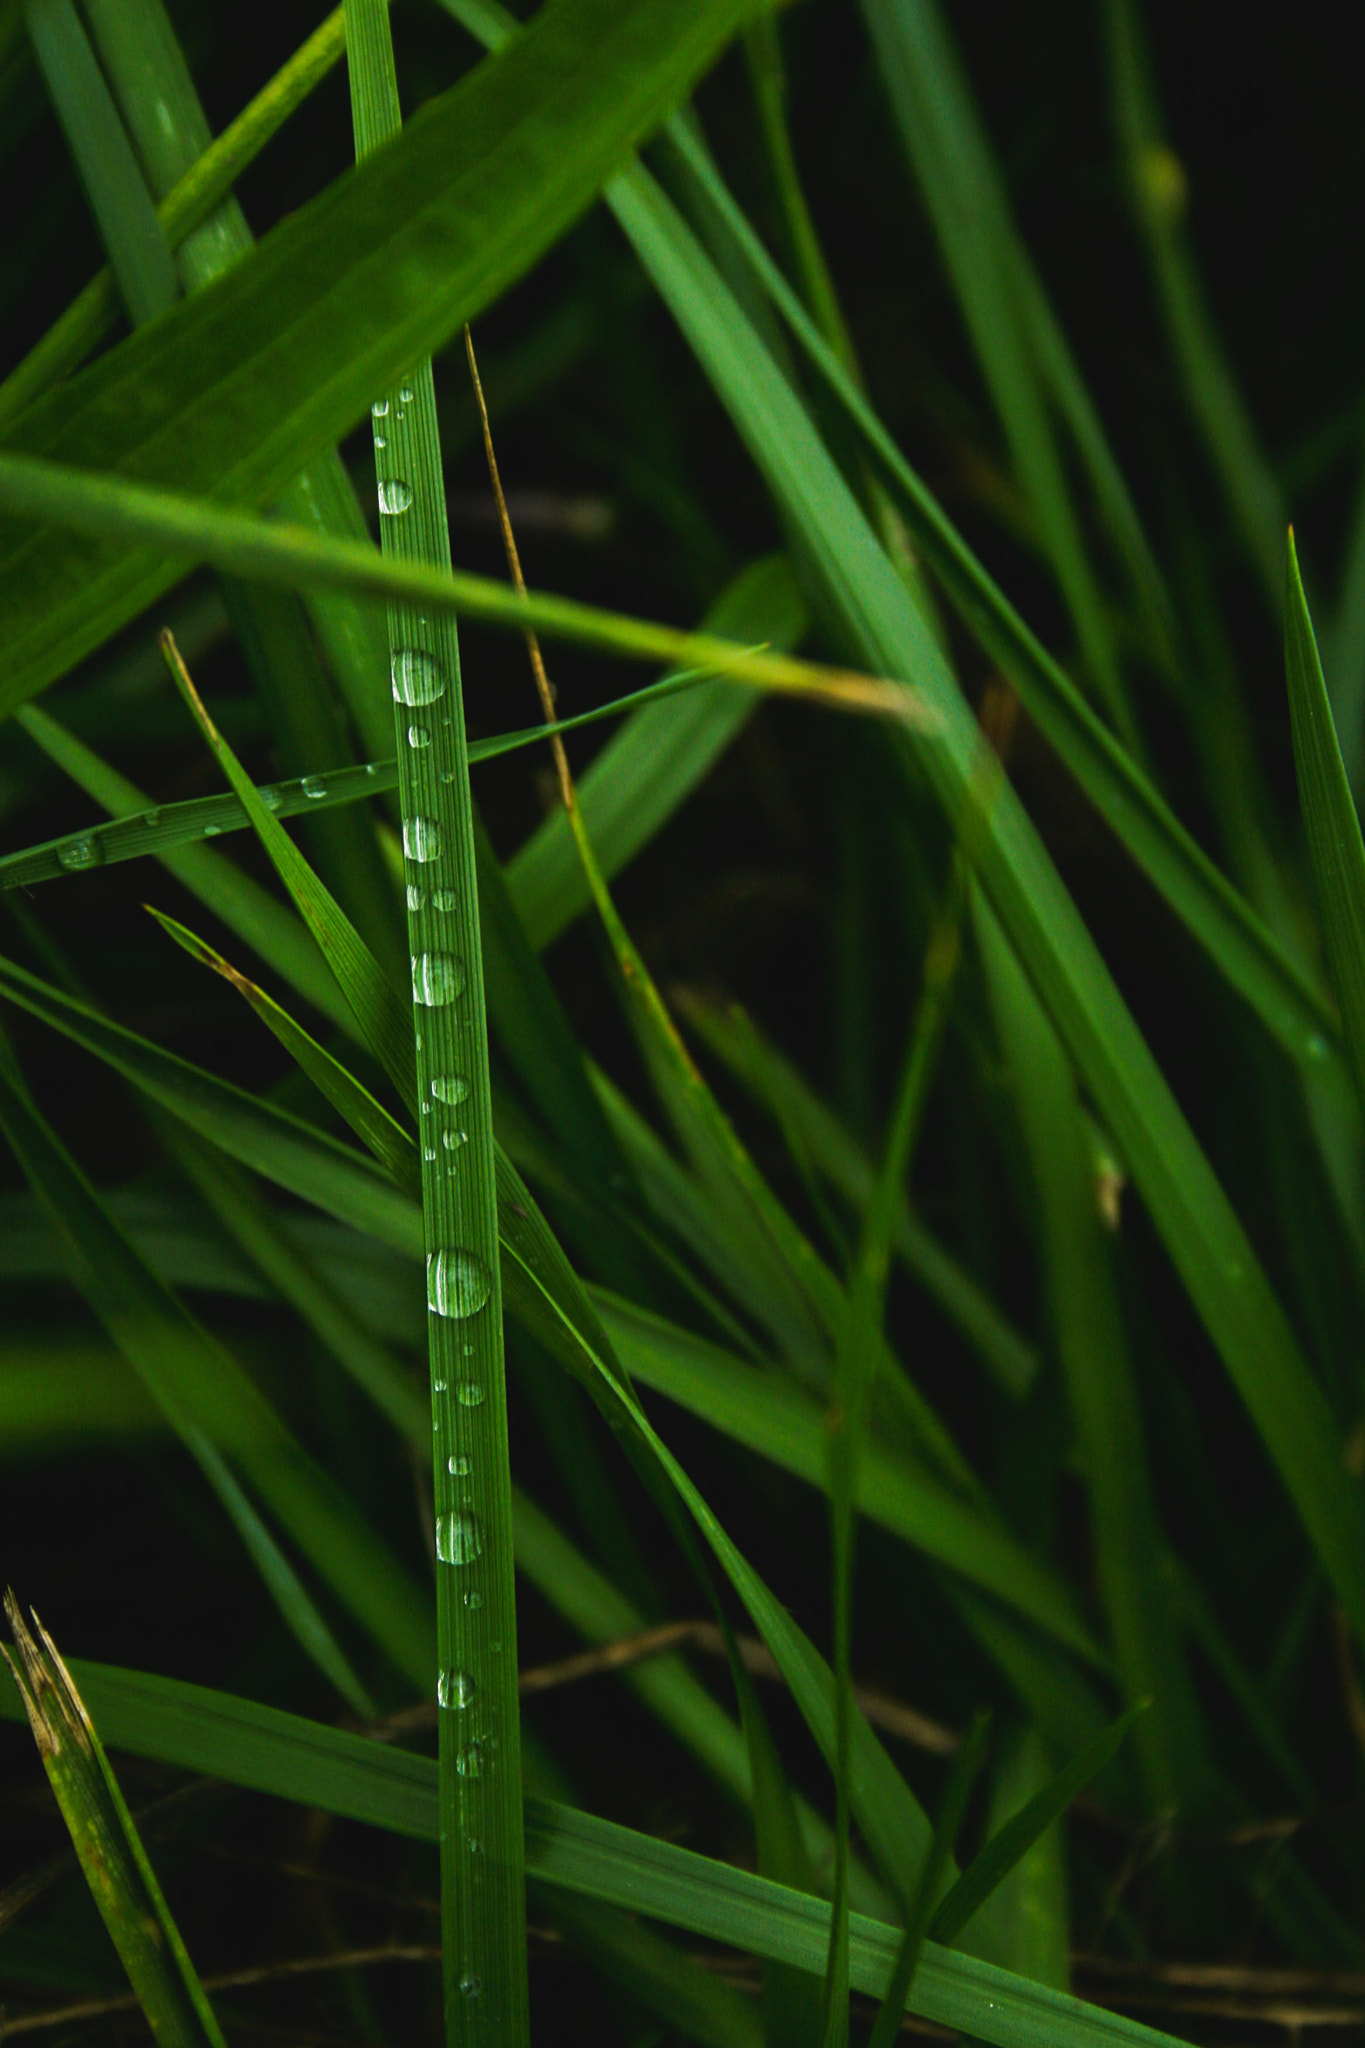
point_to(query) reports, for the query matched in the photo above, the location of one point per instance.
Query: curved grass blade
(249, 379)
(1329, 816)
(341, 1773)
(114, 1863)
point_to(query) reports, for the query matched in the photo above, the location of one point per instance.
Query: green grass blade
(1092, 1343)
(208, 1399)
(1244, 949)
(92, 315)
(1329, 816)
(1202, 1235)
(1028, 1911)
(483, 1890)
(344, 296)
(114, 185)
(112, 1858)
(993, 1863)
(646, 772)
(243, 905)
(342, 1773)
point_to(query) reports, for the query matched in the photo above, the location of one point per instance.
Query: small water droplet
(313, 787)
(449, 1087)
(437, 978)
(438, 1386)
(380, 442)
(459, 1538)
(152, 817)
(371, 767)
(469, 1353)
(454, 1689)
(380, 407)
(447, 775)
(444, 900)
(406, 394)
(212, 831)
(469, 1986)
(469, 1393)
(84, 852)
(429, 1154)
(421, 839)
(452, 1140)
(272, 798)
(395, 495)
(458, 1468)
(418, 736)
(469, 1763)
(474, 1846)
(473, 1599)
(415, 897)
(417, 678)
(458, 1284)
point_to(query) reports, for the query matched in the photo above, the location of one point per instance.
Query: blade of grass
(114, 1863)
(483, 1890)
(342, 1773)
(1329, 816)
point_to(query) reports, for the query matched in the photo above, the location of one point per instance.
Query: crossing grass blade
(1329, 816)
(342, 1773)
(114, 1863)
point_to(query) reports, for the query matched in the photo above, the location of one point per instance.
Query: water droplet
(473, 1599)
(475, 1846)
(458, 1284)
(459, 1537)
(450, 1087)
(452, 1140)
(469, 1986)
(438, 1386)
(80, 853)
(395, 495)
(152, 817)
(272, 798)
(415, 897)
(447, 775)
(444, 900)
(421, 839)
(406, 394)
(380, 442)
(458, 1468)
(371, 767)
(418, 736)
(469, 1352)
(454, 1689)
(469, 1393)
(469, 1762)
(429, 1154)
(212, 831)
(313, 787)
(417, 678)
(380, 407)
(436, 978)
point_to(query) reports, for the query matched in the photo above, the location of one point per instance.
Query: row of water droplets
(460, 1285)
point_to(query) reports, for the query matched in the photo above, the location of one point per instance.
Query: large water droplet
(454, 1689)
(212, 831)
(458, 1468)
(450, 1087)
(421, 839)
(459, 1538)
(380, 407)
(406, 394)
(444, 900)
(395, 495)
(415, 897)
(84, 852)
(418, 736)
(469, 1393)
(417, 678)
(458, 1284)
(429, 1154)
(313, 787)
(452, 1140)
(272, 798)
(436, 978)
(473, 1599)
